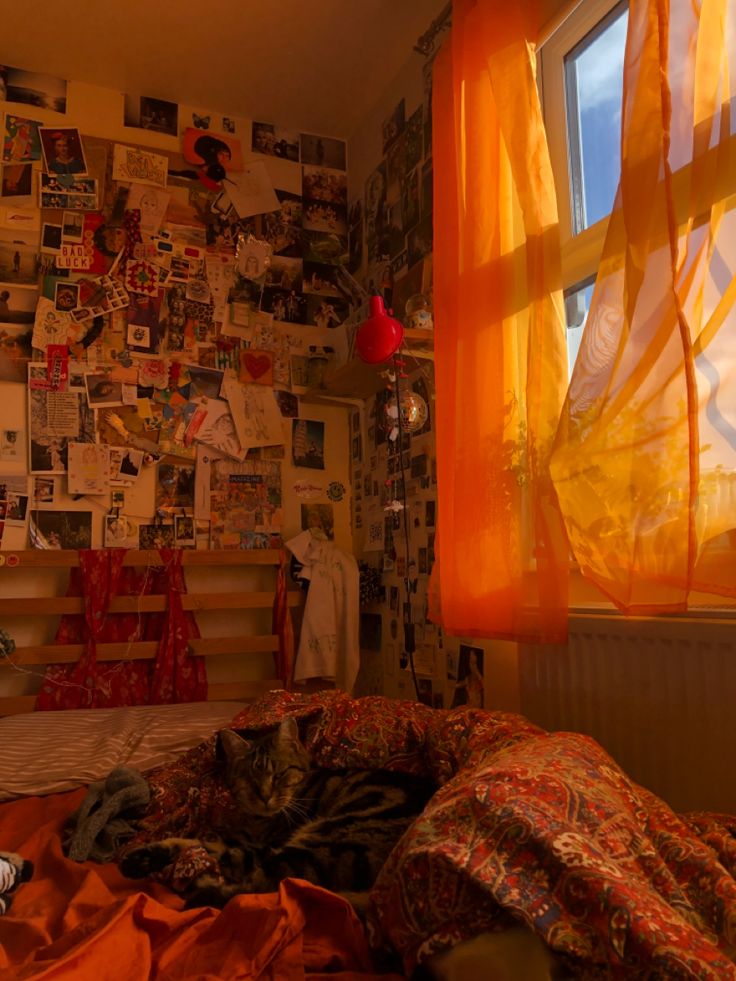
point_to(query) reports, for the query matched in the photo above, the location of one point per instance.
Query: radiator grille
(659, 695)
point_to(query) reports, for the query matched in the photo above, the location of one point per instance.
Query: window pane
(577, 305)
(594, 85)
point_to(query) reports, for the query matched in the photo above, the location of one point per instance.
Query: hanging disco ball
(414, 412)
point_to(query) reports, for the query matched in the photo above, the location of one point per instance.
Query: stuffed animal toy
(13, 871)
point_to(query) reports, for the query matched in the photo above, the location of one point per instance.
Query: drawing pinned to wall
(21, 142)
(130, 163)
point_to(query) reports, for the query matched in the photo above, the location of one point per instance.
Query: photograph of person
(469, 685)
(63, 153)
(103, 391)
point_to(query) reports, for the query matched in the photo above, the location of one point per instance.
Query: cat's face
(265, 773)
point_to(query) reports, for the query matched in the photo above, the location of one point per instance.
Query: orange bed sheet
(85, 921)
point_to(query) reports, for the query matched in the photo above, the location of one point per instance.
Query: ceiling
(315, 65)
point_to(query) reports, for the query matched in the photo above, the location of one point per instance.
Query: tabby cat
(334, 828)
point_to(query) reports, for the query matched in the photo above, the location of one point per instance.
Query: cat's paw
(207, 891)
(146, 860)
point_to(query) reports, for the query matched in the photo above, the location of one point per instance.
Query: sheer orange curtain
(645, 458)
(500, 349)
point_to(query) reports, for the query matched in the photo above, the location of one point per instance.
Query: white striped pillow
(48, 752)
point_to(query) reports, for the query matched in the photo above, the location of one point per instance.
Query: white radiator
(658, 694)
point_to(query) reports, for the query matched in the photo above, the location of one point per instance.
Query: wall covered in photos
(390, 193)
(168, 295)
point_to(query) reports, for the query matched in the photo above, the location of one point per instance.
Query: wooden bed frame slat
(150, 603)
(142, 650)
(225, 691)
(38, 558)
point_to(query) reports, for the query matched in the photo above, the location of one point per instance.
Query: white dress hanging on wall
(329, 645)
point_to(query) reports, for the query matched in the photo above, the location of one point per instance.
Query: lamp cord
(407, 619)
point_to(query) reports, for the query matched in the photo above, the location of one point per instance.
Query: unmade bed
(527, 827)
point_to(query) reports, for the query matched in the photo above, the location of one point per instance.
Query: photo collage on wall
(390, 248)
(165, 310)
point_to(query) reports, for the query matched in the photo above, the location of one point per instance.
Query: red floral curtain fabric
(173, 676)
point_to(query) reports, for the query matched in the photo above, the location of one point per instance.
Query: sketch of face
(224, 429)
(148, 205)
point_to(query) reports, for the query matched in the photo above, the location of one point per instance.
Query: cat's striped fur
(332, 827)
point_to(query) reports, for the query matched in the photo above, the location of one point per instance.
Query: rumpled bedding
(74, 922)
(527, 826)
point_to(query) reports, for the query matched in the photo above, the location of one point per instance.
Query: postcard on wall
(323, 151)
(155, 536)
(184, 534)
(156, 115)
(308, 444)
(21, 141)
(120, 531)
(136, 165)
(374, 532)
(61, 529)
(209, 150)
(11, 444)
(14, 493)
(80, 194)
(20, 219)
(17, 304)
(174, 487)
(17, 183)
(88, 466)
(63, 153)
(33, 89)
(275, 141)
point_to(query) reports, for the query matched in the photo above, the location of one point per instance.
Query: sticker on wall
(308, 490)
(336, 490)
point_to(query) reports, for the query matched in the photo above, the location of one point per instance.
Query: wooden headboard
(22, 573)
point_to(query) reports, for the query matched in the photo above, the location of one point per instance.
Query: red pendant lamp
(380, 336)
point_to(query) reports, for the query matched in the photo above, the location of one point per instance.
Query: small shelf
(358, 380)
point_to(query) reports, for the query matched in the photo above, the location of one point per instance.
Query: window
(581, 78)
(577, 304)
(593, 89)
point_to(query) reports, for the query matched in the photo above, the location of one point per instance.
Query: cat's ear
(287, 732)
(230, 745)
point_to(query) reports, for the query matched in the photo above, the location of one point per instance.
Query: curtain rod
(425, 43)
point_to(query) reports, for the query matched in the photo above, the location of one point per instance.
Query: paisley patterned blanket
(527, 826)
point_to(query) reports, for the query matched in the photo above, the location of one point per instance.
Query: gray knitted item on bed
(104, 820)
